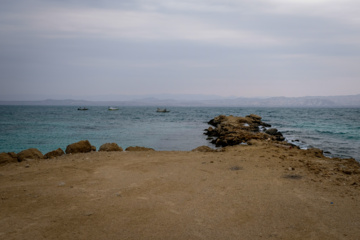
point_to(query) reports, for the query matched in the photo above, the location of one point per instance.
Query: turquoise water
(336, 131)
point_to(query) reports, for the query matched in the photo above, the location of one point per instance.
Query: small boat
(163, 110)
(83, 108)
(112, 108)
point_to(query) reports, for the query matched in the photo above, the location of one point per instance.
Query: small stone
(61, 184)
(236, 168)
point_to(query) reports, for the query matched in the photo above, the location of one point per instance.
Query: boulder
(138, 149)
(214, 122)
(210, 131)
(110, 147)
(31, 153)
(7, 158)
(203, 149)
(255, 117)
(12, 154)
(56, 153)
(274, 132)
(82, 146)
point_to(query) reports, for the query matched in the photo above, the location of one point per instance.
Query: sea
(334, 130)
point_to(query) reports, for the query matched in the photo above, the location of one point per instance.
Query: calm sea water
(336, 131)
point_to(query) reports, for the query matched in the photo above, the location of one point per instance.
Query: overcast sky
(242, 48)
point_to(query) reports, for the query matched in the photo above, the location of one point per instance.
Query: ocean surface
(335, 130)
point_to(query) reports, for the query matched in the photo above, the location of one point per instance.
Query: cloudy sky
(245, 48)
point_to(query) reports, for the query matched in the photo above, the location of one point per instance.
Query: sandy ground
(265, 191)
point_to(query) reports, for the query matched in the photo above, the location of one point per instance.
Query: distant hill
(329, 101)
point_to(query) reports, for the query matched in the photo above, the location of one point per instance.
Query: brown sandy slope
(264, 191)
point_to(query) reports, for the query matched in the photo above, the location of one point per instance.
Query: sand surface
(264, 191)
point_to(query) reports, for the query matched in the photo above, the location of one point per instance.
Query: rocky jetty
(231, 130)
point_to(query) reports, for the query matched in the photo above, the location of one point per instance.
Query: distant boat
(83, 108)
(112, 108)
(162, 110)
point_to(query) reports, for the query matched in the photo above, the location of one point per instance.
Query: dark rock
(280, 138)
(274, 132)
(56, 153)
(293, 176)
(138, 149)
(7, 158)
(31, 153)
(110, 147)
(83, 146)
(210, 131)
(214, 122)
(236, 168)
(348, 172)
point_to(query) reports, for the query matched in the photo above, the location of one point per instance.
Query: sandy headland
(254, 186)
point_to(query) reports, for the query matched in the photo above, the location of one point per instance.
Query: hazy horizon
(176, 97)
(95, 50)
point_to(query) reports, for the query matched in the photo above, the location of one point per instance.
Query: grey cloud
(241, 48)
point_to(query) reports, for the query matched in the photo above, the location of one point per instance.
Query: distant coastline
(352, 101)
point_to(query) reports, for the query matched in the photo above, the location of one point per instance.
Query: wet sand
(264, 191)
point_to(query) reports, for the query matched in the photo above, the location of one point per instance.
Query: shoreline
(223, 131)
(264, 189)
(177, 134)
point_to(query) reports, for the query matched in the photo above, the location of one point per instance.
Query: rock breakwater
(232, 130)
(83, 146)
